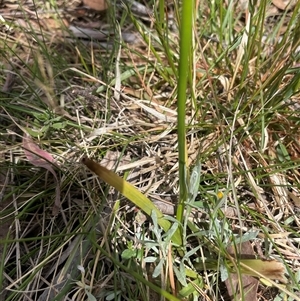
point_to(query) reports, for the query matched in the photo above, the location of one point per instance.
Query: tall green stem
(186, 27)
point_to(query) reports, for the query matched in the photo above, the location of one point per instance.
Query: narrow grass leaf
(133, 194)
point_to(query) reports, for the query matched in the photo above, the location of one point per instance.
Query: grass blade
(130, 192)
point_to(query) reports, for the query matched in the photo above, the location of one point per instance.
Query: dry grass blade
(100, 79)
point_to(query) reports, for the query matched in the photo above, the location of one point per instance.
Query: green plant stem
(184, 64)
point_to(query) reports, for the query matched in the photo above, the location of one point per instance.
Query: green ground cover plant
(149, 151)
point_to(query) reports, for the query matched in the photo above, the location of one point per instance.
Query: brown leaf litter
(42, 158)
(147, 124)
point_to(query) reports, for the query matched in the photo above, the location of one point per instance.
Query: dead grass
(116, 102)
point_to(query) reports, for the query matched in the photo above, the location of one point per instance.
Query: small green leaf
(224, 272)
(282, 153)
(194, 182)
(59, 125)
(150, 259)
(112, 296)
(246, 237)
(34, 133)
(127, 254)
(158, 268)
(190, 288)
(41, 116)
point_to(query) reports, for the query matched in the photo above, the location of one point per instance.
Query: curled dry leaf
(41, 158)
